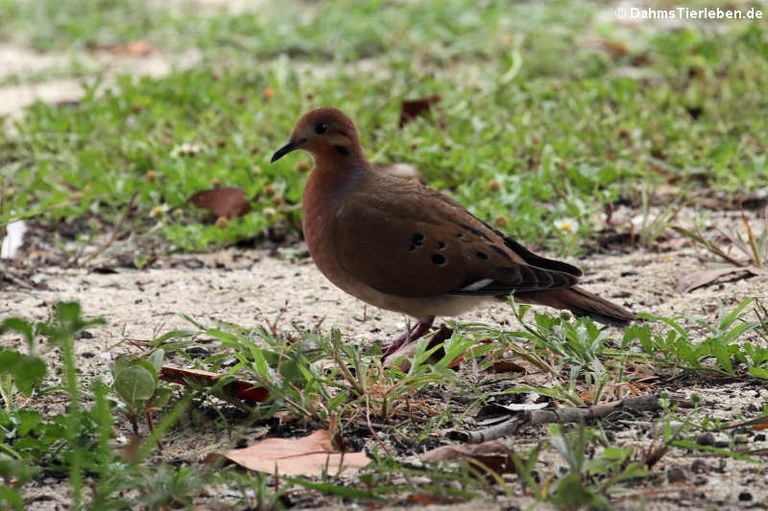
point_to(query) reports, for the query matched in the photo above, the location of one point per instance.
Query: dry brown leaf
(495, 455)
(132, 49)
(312, 455)
(507, 366)
(703, 278)
(227, 202)
(412, 108)
(616, 49)
(672, 244)
(757, 424)
(241, 389)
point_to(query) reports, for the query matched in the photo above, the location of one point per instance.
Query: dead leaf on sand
(243, 390)
(312, 455)
(703, 278)
(131, 49)
(413, 108)
(227, 202)
(495, 455)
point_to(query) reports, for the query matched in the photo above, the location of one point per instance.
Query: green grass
(557, 122)
(410, 411)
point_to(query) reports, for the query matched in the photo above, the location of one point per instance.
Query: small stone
(722, 444)
(760, 437)
(700, 480)
(676, 474)
(741, 438)
(745, 496)
(699, 467)
(197, 351)
(705, 439)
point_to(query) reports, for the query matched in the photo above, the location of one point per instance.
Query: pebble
(705, 439)
(676, 474)
(700, 480)
(741, 438)
(699, 466)
(745, 496)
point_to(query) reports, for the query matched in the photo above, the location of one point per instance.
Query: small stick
(115, 232)
(575, 414)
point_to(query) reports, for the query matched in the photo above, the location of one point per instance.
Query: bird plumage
(400, 245)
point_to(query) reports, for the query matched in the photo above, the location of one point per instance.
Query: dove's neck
(329, 182)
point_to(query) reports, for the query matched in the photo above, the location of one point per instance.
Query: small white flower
(566, 225)
(159, 210)
(185, 149)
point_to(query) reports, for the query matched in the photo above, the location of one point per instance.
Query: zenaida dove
(399, 245)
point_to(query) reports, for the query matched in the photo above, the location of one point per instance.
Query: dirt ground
(257, 287)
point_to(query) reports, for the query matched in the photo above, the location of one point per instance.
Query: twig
(115, 232)
(751, 238)
(699, 238)
(6, 274)
(574, 414)
(375, 435)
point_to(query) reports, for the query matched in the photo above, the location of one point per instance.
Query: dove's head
(325, 133)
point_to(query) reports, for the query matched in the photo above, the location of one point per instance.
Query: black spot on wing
(417, 240)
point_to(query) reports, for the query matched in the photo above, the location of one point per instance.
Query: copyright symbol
(621, 13)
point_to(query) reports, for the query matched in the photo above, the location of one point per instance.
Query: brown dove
(399, 245)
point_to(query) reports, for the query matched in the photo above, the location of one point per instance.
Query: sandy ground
(254, 287)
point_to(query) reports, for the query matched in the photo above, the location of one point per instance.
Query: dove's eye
(321, 128)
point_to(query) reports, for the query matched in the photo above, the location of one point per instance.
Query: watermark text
(688, 13)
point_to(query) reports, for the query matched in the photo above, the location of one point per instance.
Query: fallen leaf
(507, 366)
(757, 424)
(672, 244)
(703, 278)
(495, 455)
(412, 108)
(227, 202)
(616, 49)
(312, 455)
(132, 49)
(241, 389)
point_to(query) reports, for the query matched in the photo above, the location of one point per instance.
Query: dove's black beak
(287, 148)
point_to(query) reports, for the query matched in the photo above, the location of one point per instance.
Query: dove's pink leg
(417, 332)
